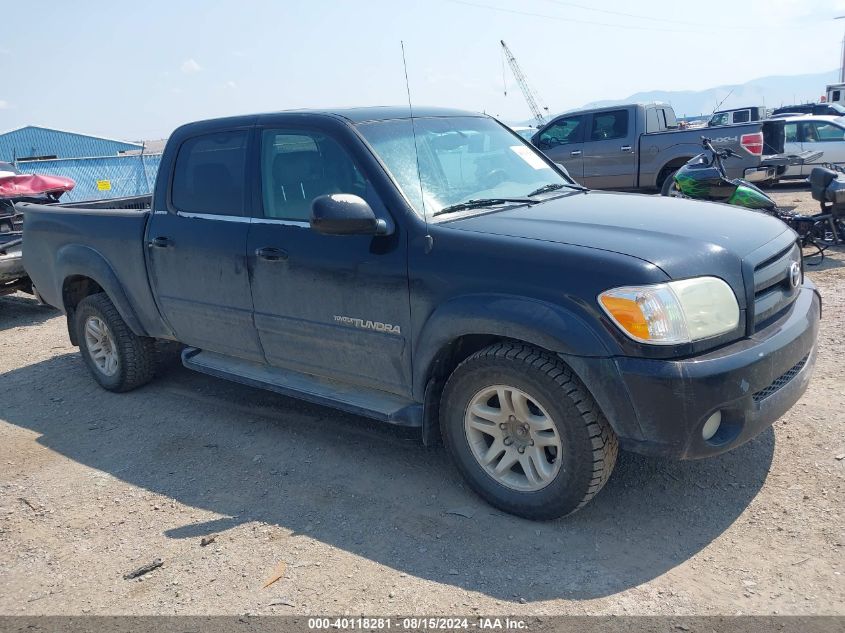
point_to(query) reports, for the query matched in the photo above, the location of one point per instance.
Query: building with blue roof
(101, 167)
(33, 142)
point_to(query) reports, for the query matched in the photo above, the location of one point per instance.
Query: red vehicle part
(18, 185)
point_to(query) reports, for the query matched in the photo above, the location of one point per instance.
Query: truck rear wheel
(525, 433)
(118, 359)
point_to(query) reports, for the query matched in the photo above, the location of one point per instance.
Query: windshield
(838, 108)
(460, 159)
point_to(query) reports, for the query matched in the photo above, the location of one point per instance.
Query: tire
(100, 327)
(668, 188)
(557, 480)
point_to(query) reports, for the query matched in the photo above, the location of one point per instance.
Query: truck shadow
(373, 490)
(21, 309)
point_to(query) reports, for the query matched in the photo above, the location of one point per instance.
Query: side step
(371, 403)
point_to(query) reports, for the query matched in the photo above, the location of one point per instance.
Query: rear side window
(743, 116)
(609, 125)
(652, 123)
(209, 174)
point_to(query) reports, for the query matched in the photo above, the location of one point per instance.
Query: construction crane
(530, 95)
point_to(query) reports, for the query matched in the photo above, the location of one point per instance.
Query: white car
(816, 133)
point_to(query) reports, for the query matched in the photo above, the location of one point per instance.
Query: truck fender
(75, 260)
(552, 327)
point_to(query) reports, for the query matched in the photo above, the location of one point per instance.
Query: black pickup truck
(439, 272)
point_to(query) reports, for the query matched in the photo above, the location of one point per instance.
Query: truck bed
(62, 240)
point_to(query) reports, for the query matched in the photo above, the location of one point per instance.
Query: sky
(137, 69)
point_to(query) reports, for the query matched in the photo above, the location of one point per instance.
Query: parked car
(640, 146)
(524, 132)
(737, 115)
(12, 274)
(824, 134)
(814, 109)
(442, 274)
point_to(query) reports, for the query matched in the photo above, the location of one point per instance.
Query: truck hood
(682, 237)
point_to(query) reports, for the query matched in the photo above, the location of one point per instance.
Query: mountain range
(772, 92)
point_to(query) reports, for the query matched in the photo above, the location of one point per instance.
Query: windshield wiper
(554, 187)
(480, 203)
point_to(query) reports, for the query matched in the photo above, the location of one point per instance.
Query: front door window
(297, 167)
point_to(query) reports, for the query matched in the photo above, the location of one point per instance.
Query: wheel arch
(83, 272)
(668, 168)
(465, 325)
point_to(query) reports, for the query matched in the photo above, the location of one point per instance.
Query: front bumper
(659, 407)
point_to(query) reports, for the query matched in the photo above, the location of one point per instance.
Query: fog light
(711, 426)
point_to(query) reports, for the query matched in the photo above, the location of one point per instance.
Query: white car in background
(524, 131)
(824, 134)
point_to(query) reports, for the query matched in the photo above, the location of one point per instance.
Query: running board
(371, 403)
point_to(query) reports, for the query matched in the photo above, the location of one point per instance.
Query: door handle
(576, 152)
(625, 148)
(271, 254)
(160, 242)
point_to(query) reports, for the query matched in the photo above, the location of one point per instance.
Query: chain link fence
(100, 178)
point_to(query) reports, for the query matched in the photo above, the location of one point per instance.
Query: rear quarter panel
(658, 149)
(106, 245)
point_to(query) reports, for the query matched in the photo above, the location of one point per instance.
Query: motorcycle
(703, 178)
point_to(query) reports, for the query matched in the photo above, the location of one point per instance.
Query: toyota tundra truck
(434, 270)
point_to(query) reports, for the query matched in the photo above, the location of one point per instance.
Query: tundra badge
(378, 326)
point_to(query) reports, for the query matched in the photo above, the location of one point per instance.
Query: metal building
(100, 167)
(39, 143)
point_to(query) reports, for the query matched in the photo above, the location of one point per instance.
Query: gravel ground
(365, 520)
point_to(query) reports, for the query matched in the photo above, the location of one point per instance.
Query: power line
(634, 15)
(565, 19)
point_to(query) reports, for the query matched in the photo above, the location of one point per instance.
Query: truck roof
(354, 115)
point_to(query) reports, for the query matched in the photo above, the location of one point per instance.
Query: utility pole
(842, 62)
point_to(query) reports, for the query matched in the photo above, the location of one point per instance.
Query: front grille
(773, 291)
(781, 381)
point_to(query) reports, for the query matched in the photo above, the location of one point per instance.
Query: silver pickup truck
(639, 146)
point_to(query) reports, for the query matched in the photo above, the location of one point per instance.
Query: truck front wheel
(525, 433)
(118, 359)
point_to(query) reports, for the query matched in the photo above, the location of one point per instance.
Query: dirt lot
(94, 485)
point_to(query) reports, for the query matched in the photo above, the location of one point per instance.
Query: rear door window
(827, 132)
(609, 125)
(209, 174)
(652, 123)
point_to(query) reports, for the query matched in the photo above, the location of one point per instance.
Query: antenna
(718, 105)
(428, 239)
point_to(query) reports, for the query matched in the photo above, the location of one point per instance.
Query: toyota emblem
(795, 274)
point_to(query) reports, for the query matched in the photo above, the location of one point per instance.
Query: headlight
(673, 312)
